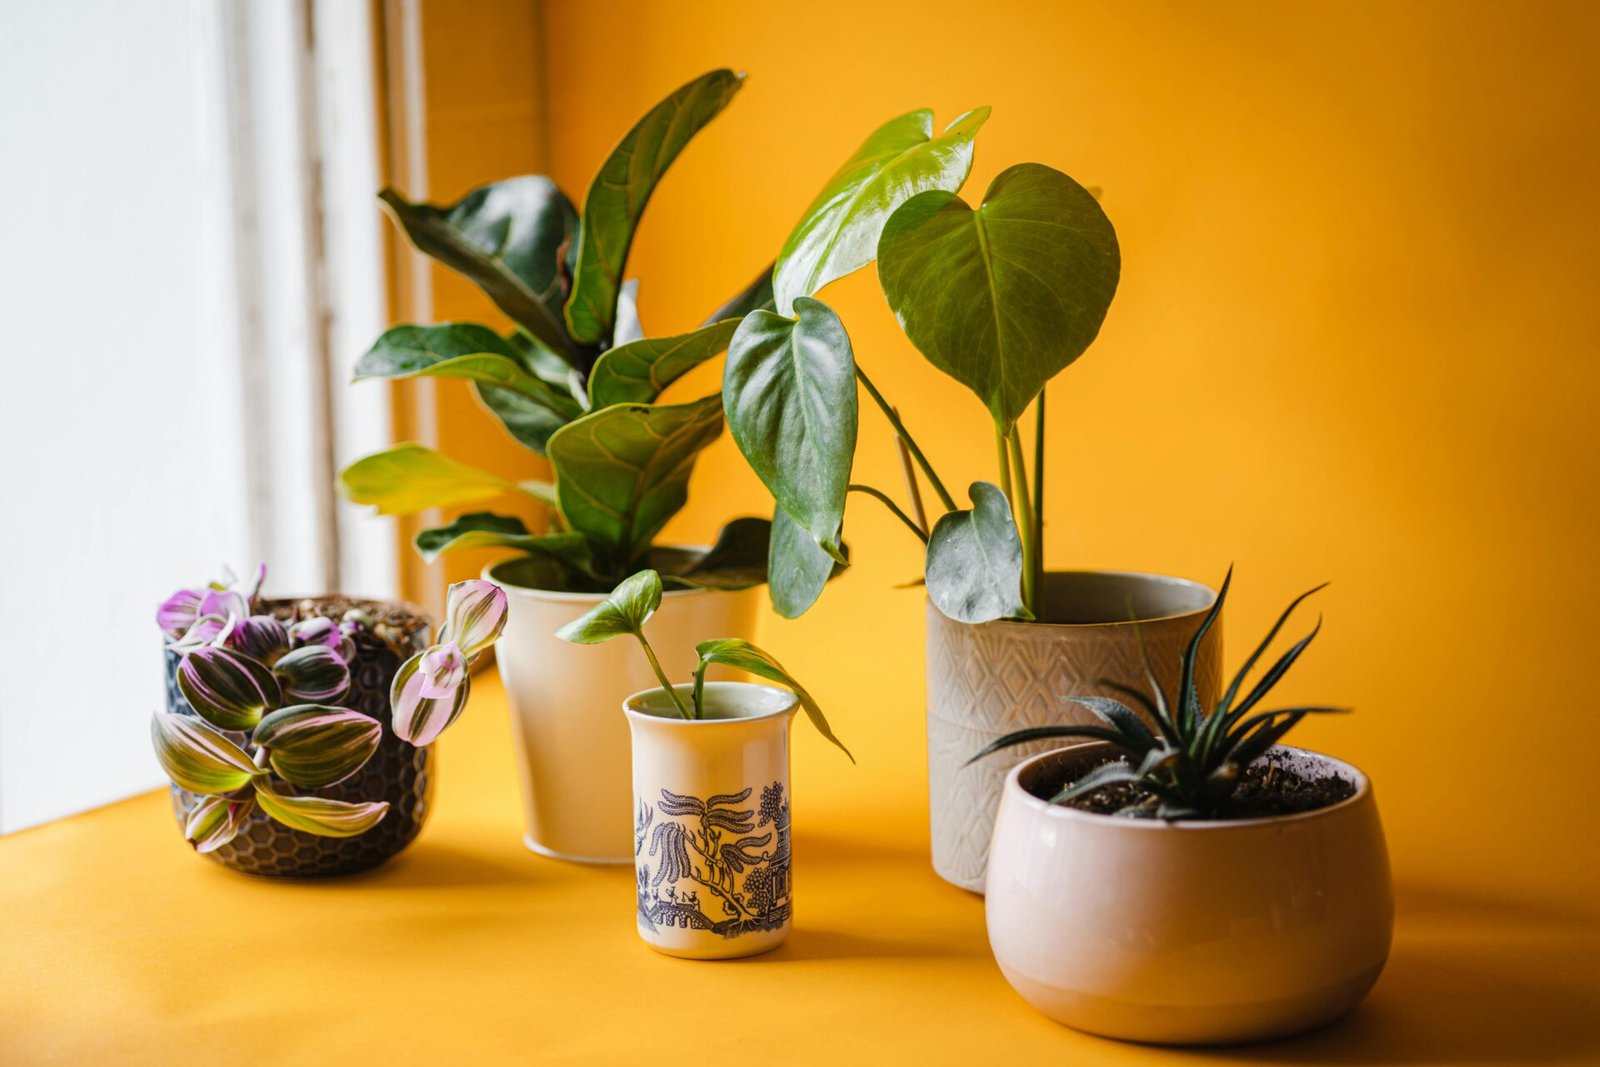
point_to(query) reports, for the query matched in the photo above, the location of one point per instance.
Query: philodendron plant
(1001, 297)
(1192, 764)
(266, 699)
(575, 380)
(630, 605)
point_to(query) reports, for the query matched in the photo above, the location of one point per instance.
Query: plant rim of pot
(1122, 621)
(788, 702)
(1355, 775)
(493, 572)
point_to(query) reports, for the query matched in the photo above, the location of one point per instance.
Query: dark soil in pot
(398, 772)
(1269, 787)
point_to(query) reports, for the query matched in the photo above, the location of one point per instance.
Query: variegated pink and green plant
(266, 696)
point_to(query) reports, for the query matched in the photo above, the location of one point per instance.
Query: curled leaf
(324, 818)
(312, 673)
(475, 613)
(417, 718)
(974, 567)
(215, 821)
(743, 656)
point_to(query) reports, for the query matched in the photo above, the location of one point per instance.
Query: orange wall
(1352, 342)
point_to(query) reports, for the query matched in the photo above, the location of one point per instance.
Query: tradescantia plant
(627, 609)
(265, 695)
(1191, 765)
(1001, 297)
(576, 380)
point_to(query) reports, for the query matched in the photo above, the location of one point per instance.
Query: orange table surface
(120, 946)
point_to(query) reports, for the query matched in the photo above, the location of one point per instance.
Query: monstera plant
(575, 380)
(1001, 297)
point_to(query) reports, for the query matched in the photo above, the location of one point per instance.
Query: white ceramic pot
(711, 824)
(572, 747)
(1187, 932)
(989, 680)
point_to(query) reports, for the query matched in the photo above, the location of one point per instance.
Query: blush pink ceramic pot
(1187, 932)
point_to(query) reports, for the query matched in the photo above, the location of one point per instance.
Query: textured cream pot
(711, 820)
(988, 680)
(572, 746)
(1189, 932)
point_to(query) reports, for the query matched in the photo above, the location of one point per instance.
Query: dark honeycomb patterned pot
(398, 772)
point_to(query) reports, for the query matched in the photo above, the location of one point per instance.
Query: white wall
(142, 352)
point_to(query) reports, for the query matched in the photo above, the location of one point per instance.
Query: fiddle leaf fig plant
(266, 714)
(1191, 765)
(631, 604)
(576, 380)
(1002, 297)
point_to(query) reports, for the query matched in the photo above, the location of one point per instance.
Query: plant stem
(905, 435)
(655, 665)
(912, 488)
(1038, 499)
(879, 495)
(1025, 524)
(1005, 466)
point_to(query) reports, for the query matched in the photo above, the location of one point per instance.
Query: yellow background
(1354, 341)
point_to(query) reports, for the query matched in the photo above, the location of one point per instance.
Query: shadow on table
(810, 943)
(1470, 980)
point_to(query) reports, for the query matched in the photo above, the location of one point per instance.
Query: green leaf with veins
(797, 567)
(409, 478)
(637, 372)
(743, 656)
(974, 567)
(461, 350)
(624, 611)
(483, 529)
(623, 471)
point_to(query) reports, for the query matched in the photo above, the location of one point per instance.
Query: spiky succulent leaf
(312, 745)
(1103, 775)
(1121, 718)
(1048, 733)
(1188, 694)
(228, 689)
(198, 758)
(315, 815)
(215, 821)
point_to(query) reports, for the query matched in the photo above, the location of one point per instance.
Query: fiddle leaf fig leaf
(974, 568)
(623, 471)
(484, 529)
(410, 477)
(797, 567)
(312, 745)
(737, 561)
(838, 234)
(529, 422)
(198, 758)
(743, 656)
(624, 611)
(637, 372)
(789, 390)
(757, 296)
(1004, 297)
(215, 821)
(314, 815)
(461, 350)
(505, 237)
(620, 191)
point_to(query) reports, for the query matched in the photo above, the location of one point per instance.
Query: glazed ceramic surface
(572, 746)
(988, 680)
(398, 772)
(711, 825)
(1188, 932)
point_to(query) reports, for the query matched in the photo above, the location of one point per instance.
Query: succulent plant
(265, 696)
(629, 607)
(1189, 766)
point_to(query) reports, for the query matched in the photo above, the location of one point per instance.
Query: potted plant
(576, 382)
(298, 732)
(1002, 297)
(1191, 880)
(711, 839)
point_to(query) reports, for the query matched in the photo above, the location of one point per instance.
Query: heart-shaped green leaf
(199, 758)
(622, 188)
(625, 611)
(313, 745)
(790, 393)
(324, 818)
(1005, 297)
(622, 472)
(838, 234)
(506, 237)
(637, 372)
(410, 477)
(974, 565)
(461, 350)
(484, 529)
(797, 567)
(743, 656)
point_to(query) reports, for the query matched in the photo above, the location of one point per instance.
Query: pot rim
(1141, 576)
(568, 597)
(1014, 789)
(395, 600)
(791, 705)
